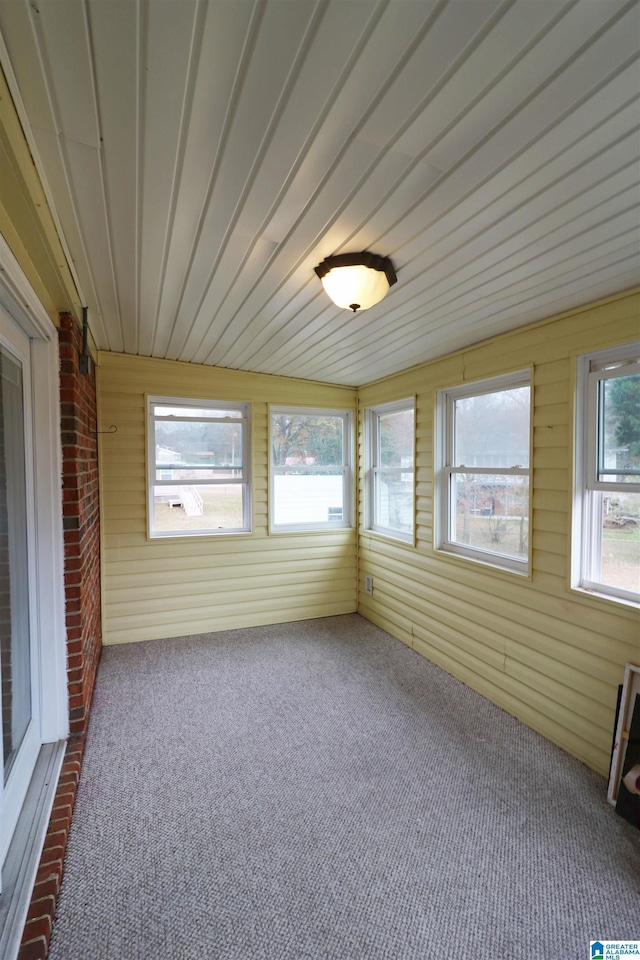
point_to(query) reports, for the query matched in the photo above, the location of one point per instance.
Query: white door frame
(13, 792)
(20, 302)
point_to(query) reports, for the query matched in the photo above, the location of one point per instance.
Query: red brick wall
(81, 522)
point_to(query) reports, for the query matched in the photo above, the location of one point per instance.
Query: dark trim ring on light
(356, 298)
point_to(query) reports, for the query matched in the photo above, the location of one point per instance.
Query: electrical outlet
(368, 585)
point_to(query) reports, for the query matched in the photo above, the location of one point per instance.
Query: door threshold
(23, 857)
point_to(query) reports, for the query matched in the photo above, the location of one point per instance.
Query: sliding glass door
(18, 658)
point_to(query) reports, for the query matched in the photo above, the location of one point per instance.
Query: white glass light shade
(358, 285)
(356, 281)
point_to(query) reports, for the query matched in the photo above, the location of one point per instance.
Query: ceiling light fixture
(356, 281)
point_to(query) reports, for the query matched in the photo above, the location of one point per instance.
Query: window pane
(196, 413)
(394, 500)
(308, 498)
(619, 440)
(197, 450)
(192, 507)
(491, 512)
(307, 440)
(15, 646)
(492, 429)
(395, 438)
(620, 545)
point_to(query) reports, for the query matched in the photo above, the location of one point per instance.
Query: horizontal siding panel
(553, 501)
(218, 595)
(555, 543)
(547, 437)
(387, 619)
(437, 643)
(582, 332)
(175, 379)
(556, 724)
(551, 394)
(556, 414)
(116, 484)
(485, 643)
(247, 550)
(548, 478)
(565, 700)
(156, 581)
(140, 632)
(174, 591)
(515, 600)
(550, 563)
(548, 458)
(554, 371)
(193, 547)
(590, 699)
(552, 521)
(119, 512)
(483, 624)
(168, 619)
(132, 527)
(482, 362)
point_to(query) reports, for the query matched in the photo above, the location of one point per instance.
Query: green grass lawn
(222, 510)
(621, 556)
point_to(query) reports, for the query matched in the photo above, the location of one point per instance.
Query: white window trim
(21, 303)
(445, 471)
(348, 451)
(243, 481)
(372, 415)
(585, 545)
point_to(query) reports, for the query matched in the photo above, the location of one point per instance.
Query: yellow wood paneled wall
(547, 654)
(174, 587)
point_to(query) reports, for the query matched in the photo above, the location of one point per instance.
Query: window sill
(301, 529)
(193, 535)
(599, 595)
(408, 540)
(484, 563)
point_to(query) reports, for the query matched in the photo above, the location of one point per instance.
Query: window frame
(586, 547)
(348, 451)
(373, 469)
(244, 481)
(446, 471)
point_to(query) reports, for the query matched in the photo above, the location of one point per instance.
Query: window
(606, 544)
(483, 471)
(198, 467)
(390, 442)
(311, 477)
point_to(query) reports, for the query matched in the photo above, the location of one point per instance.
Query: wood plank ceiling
(202, 158)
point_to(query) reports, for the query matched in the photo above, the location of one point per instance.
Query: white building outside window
(311, 472)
